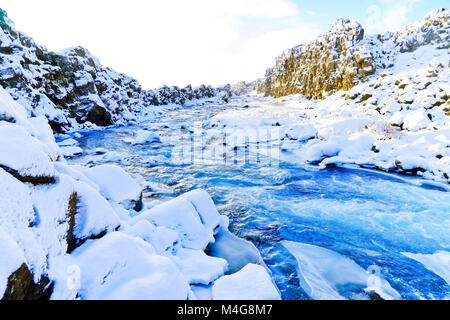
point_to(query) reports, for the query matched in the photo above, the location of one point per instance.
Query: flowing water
(367, 216)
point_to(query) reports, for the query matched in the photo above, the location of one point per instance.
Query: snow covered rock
(335, 60)
(24, 156)
(199, 268)
(94, 215)
(73, 90)
(181, 216)
(117, 185)
(250, 283)
(120, 267)
(416, 120)
(301, 132)
(145, 136)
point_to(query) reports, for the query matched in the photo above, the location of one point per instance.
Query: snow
(322, 272)
(202, 292)
(416, 120)
(44, 134)
(145, 136)
(115, 184)
(182, 248)
(205, 208)
(180, 215)
(250, 283)
(121, 267)
(301, 132)
(438, 262)
(197, 267)
(236, 251)
(94, 214)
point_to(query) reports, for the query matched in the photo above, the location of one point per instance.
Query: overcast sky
(177, 42)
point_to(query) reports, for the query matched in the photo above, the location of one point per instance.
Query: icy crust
(73, 90)
(86, 234)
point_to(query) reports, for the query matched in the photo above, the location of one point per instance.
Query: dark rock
(21, 286)
(29, 179)
(99, 116)
(72, 242)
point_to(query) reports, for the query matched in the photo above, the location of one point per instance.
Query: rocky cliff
(71, 87)
(344, 56)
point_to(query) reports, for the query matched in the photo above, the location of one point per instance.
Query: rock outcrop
(344, 56)
(71, 87)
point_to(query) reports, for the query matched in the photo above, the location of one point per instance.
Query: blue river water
(367, 216)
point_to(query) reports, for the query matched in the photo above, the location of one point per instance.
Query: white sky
(171, 42)
(177, 42)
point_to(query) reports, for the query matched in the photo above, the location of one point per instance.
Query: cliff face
(72, 87)
(344, 56)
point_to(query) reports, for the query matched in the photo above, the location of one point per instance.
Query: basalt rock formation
(345, 56)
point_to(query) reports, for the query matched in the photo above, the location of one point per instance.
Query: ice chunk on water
(238, 252)
(321, 272)
(253, 282)
(438, 263)
(115, 184)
